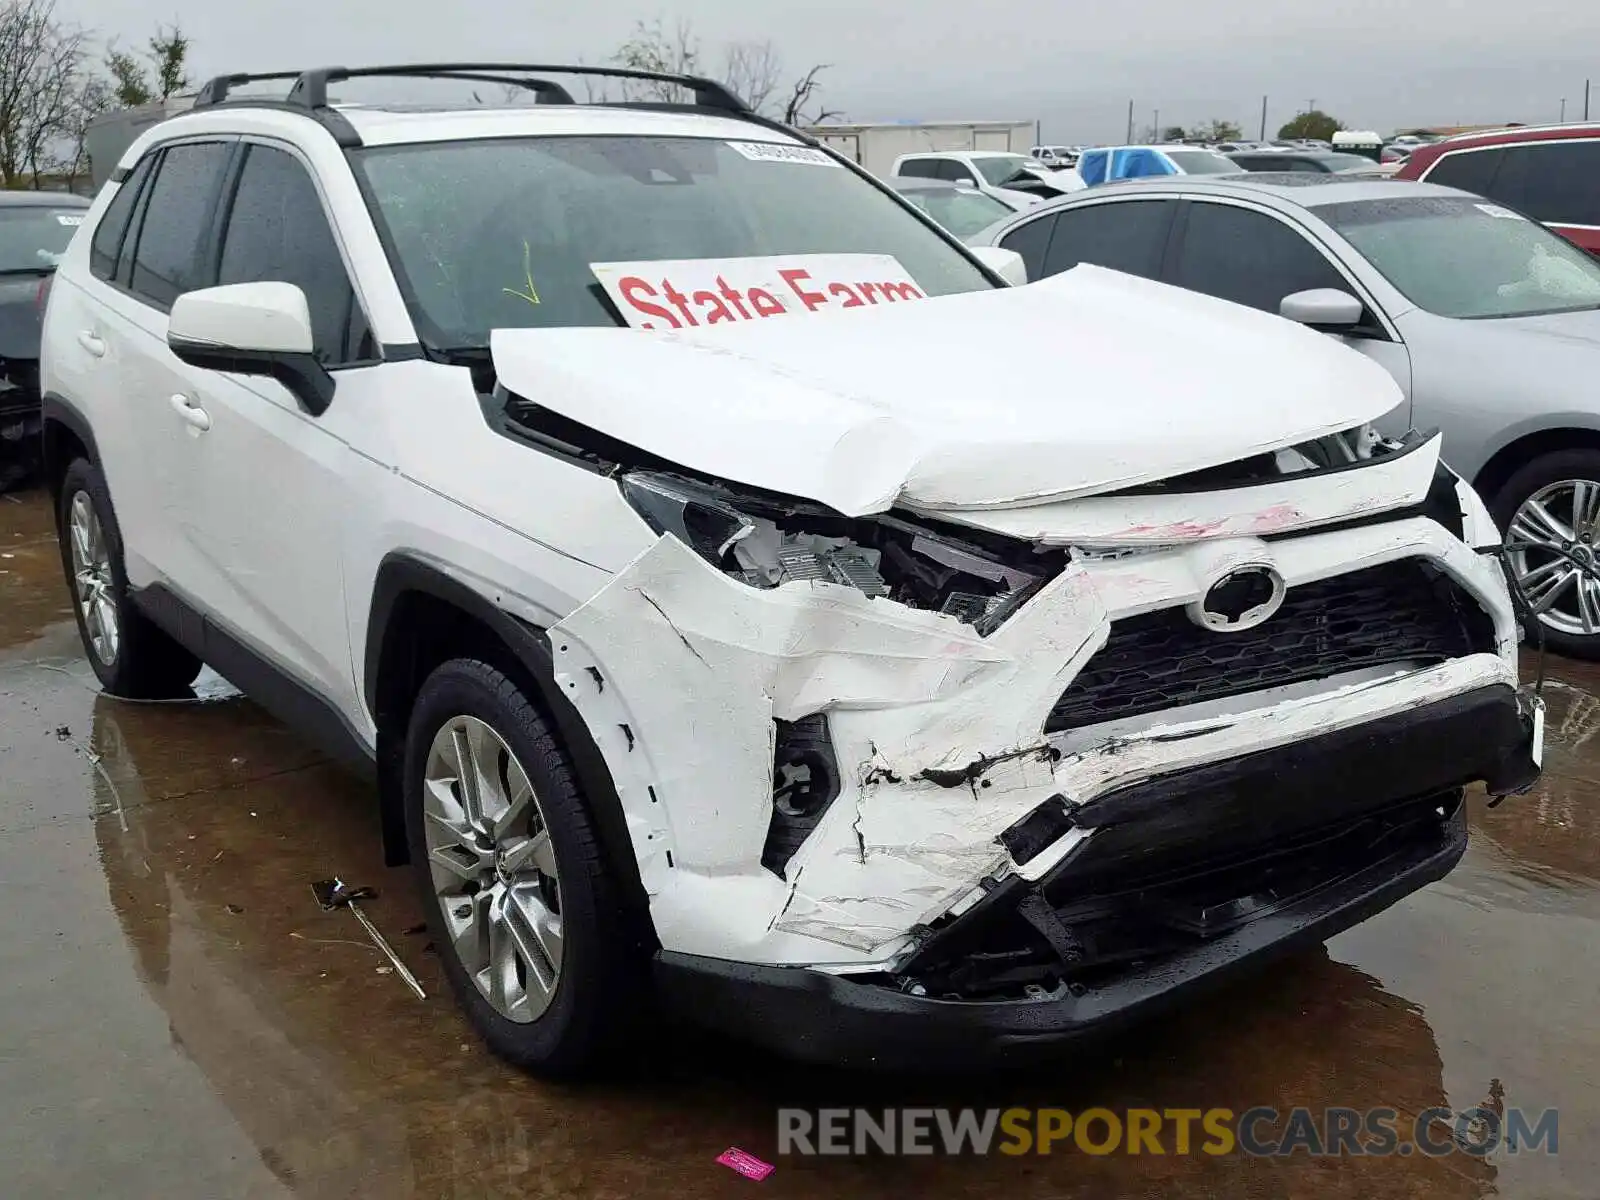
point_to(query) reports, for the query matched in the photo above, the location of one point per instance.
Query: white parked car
(1017, 179)
(630, 491)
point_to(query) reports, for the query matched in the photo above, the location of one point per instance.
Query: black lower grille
(1404, 611)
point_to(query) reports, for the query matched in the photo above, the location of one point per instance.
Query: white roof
(967, 154)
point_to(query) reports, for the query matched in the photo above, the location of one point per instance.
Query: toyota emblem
(1241, 599)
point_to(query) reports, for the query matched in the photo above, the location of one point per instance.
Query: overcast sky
(1373, 65)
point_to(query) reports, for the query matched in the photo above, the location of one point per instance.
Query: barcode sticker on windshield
(69, 219)
(1494, 210)
(808, 156)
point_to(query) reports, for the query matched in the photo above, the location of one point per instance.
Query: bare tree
(801, 95)
(752, 70)
(41, 61)
(94, 95)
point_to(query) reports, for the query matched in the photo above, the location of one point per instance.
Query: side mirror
(1005, 263)
(252, 329)
(1322, 308)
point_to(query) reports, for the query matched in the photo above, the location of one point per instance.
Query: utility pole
(1263, 118)
(1563, 108)
(1585, 99)
(1130, 122)
(1156, 137)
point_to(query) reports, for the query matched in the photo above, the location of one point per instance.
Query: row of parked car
(1451, 277)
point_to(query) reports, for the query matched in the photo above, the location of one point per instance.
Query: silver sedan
(1489, 323)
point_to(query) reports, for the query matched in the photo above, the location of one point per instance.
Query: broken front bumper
(1300, 843)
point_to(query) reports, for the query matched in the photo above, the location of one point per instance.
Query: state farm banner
(690, 292)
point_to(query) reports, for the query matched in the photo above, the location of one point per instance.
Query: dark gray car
(35, 228)
(1489, 323)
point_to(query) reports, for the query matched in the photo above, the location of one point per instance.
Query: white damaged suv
(648, 497)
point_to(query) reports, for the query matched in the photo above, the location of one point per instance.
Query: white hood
(932, 403)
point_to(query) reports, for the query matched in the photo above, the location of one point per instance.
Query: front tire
(517, 897)
(1549, 514)
(131, 657)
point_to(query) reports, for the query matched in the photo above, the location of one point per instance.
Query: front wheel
(131, 657)
(514, 886)
(1549, 514)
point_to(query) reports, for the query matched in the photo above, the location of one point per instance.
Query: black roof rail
(310, 89)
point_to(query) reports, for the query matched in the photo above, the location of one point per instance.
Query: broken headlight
(768, 541)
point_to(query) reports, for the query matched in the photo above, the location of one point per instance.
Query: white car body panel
(848, 409)
(677, 669)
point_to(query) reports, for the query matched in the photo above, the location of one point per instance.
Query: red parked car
(1550, 172)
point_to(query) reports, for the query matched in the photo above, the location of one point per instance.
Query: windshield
(34, 237)
(1459, 257)
(999, 169)
(1202, 162)
(962, 212)
(501, 233)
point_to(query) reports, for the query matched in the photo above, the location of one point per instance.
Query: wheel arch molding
(405, 641)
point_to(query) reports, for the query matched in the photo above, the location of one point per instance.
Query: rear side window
(277, 230)
(1248, 257)
(1126, 235)
(177, 219)
(108, 235)
(1031, 241)
(1469, 170)
(1554, 182)
(919, 168)
(955, 172)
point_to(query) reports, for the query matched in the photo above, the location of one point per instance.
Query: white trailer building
(876, 147)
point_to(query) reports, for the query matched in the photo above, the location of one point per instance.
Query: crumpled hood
(932, 404)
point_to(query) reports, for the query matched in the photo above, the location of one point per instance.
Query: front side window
(1249, 257)
(1469, 170)
(1559, 182)
(501, 233)
(1032, 241)
(1456, 256)
(1123, 235)
(177, 218)
(277, 230)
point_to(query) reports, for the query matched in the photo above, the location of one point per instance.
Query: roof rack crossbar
(216, 88)
(311, 87)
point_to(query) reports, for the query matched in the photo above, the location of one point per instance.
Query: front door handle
(93, 343)
(189, 409)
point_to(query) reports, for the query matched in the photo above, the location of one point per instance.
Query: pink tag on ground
(747, 1165)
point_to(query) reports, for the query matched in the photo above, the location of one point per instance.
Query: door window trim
(1357, 288)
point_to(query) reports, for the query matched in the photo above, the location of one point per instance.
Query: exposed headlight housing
(768, 541)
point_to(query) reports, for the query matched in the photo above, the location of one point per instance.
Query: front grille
(1404, 611)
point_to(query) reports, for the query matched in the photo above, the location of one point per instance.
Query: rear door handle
(189, 409)
(93, 343)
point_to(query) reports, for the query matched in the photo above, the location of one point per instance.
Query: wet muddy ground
(178, 1019)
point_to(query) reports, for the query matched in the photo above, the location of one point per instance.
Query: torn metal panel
(937, 731)
(852, 410)
(1287, 504)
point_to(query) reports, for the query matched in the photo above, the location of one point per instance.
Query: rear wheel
(1549, 513)
(514, 886)
(131, 656)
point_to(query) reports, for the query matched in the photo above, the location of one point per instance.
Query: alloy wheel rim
(493, 868)
(1552, 546)
(92, 583)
